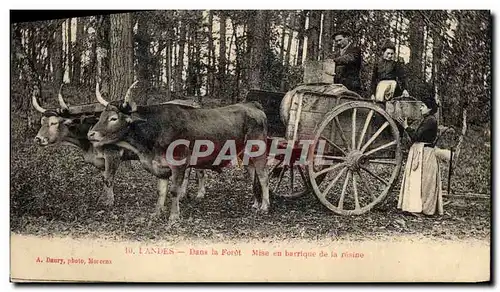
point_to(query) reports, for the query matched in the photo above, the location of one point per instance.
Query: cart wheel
(363, 158)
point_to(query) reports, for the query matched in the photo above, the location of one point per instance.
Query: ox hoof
(256, 206)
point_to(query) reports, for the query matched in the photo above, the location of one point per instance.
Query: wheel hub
(354, 160)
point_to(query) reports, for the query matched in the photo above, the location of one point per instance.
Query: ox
(149, 133)
(60, 126)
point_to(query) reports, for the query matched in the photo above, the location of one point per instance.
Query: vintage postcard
(251, 146)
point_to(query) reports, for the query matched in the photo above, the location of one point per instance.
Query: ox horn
(61, 100)
(129, 91)
(35, 103)
(99, 96)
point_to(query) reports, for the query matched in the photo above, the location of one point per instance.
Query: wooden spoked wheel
(362, 161)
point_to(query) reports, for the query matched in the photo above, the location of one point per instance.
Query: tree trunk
(143, 55)
(283, 32)
(237, 70)
(300, 37)
(77, 58)
(69, 58)
(416, 39)
(229, 53)
(198, 73)
(258, 47)
(121, 56)
(103, 68)
(180, 60)
(221, 73)
(211, 55)
(16, 43)
(249, 32)
(175, 56)
(189, 75)
(92, 68)
(424, 53)
(288, 57)
(400, 34)
(169, 70)
(57, 53)
(326, 39)
(313, 35)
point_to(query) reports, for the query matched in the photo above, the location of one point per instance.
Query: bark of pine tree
(121, 56)
(102, 66)
(313, 35)
(143, 55)
(221, 73)
(69, 56)
(326, 39)
(57, 54)
(178, 84)
(416, 40)
(300, 37)
(258, 46)
(211, 55)
(237, 69)
(189, 69)
(249, 32)
(283, 32)
(77, 58)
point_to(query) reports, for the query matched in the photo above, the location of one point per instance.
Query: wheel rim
(363, 161)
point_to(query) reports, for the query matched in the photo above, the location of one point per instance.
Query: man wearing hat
(347, 61)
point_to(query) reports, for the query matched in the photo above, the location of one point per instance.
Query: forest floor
(53, 192)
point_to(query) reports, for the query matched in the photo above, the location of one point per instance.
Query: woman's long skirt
(421, 187)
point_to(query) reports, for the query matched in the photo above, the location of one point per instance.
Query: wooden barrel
(303, 108)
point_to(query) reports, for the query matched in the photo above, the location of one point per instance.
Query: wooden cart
(355, 145)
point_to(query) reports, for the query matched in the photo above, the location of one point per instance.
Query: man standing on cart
(347, 61)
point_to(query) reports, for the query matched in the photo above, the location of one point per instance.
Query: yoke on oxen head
(55, 123)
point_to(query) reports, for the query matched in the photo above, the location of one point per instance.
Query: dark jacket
(347, 68)
(426, 131)
(389, 70)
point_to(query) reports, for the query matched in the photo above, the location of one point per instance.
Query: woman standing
(421, 187)
(388, 77)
